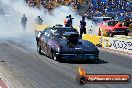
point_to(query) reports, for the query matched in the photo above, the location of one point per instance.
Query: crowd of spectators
(35, 3)
(117, 9)
(51, 4)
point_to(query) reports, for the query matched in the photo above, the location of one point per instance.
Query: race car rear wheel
(39, 49)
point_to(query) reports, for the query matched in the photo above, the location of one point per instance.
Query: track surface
(22, 67)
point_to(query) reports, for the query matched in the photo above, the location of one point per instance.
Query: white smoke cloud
(10, 25)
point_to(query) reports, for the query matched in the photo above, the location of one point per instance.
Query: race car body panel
(81, 47)
(66, 44)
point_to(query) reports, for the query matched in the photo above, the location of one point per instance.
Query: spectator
(24, 22)
(70, 20)
(100, 7)
(82, 26)
(66, 22)
(39, 20)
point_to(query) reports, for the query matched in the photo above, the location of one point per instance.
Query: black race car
(64, 43)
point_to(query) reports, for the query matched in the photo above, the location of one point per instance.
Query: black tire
(97, 60)
(39, 49)
(126, 34)
(111, 34)
(54, 57)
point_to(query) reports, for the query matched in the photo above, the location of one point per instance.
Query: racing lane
(23, 67)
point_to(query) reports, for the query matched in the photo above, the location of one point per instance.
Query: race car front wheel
(97, 60)
(110, 34)
(54, 57)
(126, 34)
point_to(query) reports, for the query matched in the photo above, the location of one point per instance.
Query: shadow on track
(100, 61)
(86, 62)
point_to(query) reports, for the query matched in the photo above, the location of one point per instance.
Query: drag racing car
(64, 43)
(113, 27)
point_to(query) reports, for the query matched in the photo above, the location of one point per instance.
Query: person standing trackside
(39, 20)
(66, 21)
(82, 26)
(24, 22)
(70, 21)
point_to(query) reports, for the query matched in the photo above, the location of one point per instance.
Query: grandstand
(118, 9)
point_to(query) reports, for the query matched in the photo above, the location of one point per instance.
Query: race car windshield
(112, 23)
(58, 32)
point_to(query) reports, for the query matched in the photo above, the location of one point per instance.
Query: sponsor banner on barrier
(121, 44)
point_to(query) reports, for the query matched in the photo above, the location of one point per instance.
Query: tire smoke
(11, 12)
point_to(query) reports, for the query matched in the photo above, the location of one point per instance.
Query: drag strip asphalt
(22, 67)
